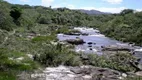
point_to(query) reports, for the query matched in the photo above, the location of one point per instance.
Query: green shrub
(7, 76)
(15, 12)
(66, 30)
(62, 30)
(44, 38)
(119, 61)
(58, 55)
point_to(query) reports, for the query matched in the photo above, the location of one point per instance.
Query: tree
(15, 13)
(127, 11)
(6, 21)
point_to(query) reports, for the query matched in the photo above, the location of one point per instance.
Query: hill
(92, 12)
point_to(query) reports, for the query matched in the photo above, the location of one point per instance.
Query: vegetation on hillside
(126, 26)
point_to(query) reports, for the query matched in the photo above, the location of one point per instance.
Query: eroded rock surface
(116, 48)
(76, 73)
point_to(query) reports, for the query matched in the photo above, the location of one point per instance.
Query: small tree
(15, 13)
(127, 11)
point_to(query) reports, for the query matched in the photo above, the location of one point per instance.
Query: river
(97, 41)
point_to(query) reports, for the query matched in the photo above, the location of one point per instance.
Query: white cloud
(102, 9)
(138, 10)
(114, 1)
(71, 6)
(47, 3)
(24, 0)
(105, 9)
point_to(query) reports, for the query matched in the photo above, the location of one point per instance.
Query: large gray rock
(76, 41)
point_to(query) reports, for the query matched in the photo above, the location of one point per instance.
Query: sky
(113, 6)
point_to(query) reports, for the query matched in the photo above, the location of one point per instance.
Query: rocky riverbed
(75, 73)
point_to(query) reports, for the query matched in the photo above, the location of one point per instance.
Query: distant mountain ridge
(91, 12)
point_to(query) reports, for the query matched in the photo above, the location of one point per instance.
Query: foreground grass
(13, 63)
(7, 76)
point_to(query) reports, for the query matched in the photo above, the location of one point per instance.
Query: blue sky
(113, 6)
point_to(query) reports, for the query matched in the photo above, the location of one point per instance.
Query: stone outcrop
(76, 73)
(76, 41)
(115, 48)
(77, 34)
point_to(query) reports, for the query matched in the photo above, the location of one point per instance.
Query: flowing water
(97, 40)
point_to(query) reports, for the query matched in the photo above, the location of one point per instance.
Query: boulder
(90, 43)
(75, 32)
(115, 48)
(90, 46)
(91, 49)
(84, 34)
(75, 41)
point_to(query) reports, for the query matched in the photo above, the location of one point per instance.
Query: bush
(62, 30)
(44, 20)
(119, 61)
(44, 38)
(58, 55)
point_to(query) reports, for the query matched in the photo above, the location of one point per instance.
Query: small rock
(124, 75)
(91, 49)
(76, 70)
(90, 46)
(20, 58)
(90, 43)
(87, 77)
(140, 66)
(120, 78)
(139, 73)
(30, 56)
(71, 75)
